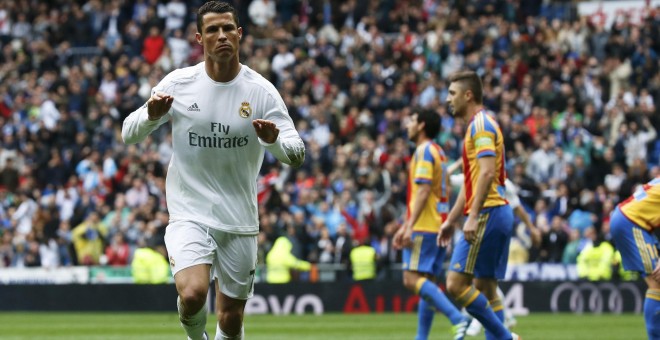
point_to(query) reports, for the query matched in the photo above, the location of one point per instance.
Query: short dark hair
(215, 7)
(469, 80)
(431, 120)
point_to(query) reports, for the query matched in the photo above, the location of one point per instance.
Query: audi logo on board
(595, 297)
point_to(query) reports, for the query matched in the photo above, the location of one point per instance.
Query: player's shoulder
(430, 150)
(253, 77)
(184, 75)
(484, 121)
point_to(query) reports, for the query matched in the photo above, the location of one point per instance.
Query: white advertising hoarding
(64, 275)
(608, 11)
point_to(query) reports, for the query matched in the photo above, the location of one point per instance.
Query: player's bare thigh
(653, 284)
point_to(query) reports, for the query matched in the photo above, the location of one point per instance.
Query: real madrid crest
(245, 110)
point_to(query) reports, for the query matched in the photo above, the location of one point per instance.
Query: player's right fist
(158, 105)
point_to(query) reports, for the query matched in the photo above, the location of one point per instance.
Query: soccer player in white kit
(224, 115)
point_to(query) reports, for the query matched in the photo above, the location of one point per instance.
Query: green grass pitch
(124, 326)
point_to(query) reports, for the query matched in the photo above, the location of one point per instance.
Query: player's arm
(511, 195)
(278, 135)
(147, 118)
(656, 273)
(405, 231)
(447, 228)
(534, 232)
(484, 181)
(454, 166)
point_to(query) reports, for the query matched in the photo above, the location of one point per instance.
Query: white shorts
(233, 257)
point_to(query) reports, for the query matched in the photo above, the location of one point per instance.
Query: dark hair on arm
(469, 80)
(215, 7)
(431, 120)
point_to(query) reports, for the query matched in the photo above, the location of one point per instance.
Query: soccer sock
(193, 325)
(220, 335)
(425, 313)
(428, 291)
(652, 313)
(477, 305)
(498, 309)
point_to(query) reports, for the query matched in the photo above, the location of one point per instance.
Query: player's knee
(410, 282)
(455, 287)
(193, 298)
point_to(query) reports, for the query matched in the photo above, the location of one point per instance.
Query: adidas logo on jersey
(193, 107)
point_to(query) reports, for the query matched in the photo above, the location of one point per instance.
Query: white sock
(220, 335)
(193, 325)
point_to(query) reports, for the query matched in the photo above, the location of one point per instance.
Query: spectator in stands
(280, 261)
(554, 241)
(54, 113)
(363, 261)
(88, 239)
(149, 266)
(595, 261)
(117, 252)
(9, 176)
(153, 44)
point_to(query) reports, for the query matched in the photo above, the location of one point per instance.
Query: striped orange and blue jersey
(483, 138)
(428, 166)
(643, 207)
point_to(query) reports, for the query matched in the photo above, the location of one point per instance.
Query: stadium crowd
(575, 99)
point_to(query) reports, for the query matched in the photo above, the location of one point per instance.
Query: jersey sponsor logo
(193, 107)
(245, 111)
(218, 138)
(215, 141)
(171, 261)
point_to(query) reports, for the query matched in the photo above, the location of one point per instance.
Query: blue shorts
(425, 256)
(488, 255)
(638, 247)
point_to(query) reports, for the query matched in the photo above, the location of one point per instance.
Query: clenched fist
(158, 105)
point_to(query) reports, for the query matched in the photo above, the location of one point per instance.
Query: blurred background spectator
(575, 98)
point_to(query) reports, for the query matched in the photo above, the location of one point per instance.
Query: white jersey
(212, 176)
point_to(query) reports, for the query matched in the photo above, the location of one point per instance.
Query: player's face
(456, 100)
(413, 127)
(220, 36)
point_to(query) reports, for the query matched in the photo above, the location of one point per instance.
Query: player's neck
(421, 140)
(222, 72)
(472, 109)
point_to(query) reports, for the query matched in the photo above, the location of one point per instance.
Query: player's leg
(509, 320)
(485, 257)
(490, 268)
(652, 309)
(422, 263)
(489, 288)
(191, 255)
(237, 258)
(425, 314)
(192, 285)
(639, 253)
(230, 316)
(460, 286)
